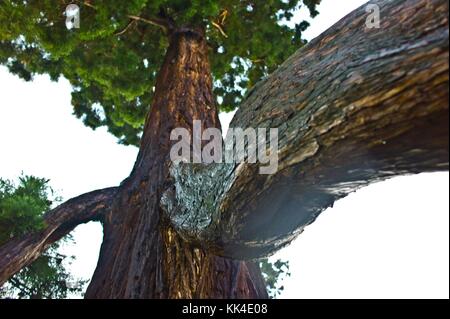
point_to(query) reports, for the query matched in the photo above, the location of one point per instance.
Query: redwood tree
(355, 106)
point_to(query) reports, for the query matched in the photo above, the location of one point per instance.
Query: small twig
(223, 16)
(219, 27)
(126, 28)
(162, 23)
(257, 60)
(88, 4)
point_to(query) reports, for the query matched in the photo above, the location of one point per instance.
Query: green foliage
(21, 207)
(113, 73)
(274, 273)
(21, 211)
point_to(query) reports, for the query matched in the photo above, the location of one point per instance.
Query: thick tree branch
(20, 252)
(353, 107)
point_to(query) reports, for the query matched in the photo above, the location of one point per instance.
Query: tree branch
(20, 252)
(126, 28)
(165, 24)
(88, 4)
(353, 107)
(219, 27)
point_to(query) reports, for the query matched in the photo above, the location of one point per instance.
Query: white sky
(389, 240)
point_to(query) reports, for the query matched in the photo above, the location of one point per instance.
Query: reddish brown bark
(141, 256)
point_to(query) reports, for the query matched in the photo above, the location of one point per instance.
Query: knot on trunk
(192, 201)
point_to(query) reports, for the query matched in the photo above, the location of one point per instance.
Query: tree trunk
(141, 256)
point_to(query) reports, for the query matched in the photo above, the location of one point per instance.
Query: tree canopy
(112, 60)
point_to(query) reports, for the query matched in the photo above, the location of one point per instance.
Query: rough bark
(141, 255)
(20, 252)
(353, 107)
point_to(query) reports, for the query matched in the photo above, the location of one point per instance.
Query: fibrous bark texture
(141, 255)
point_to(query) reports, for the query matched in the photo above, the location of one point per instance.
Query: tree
(21, 210)
(355, 106)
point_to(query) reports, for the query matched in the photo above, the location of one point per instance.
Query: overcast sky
(389, 240)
